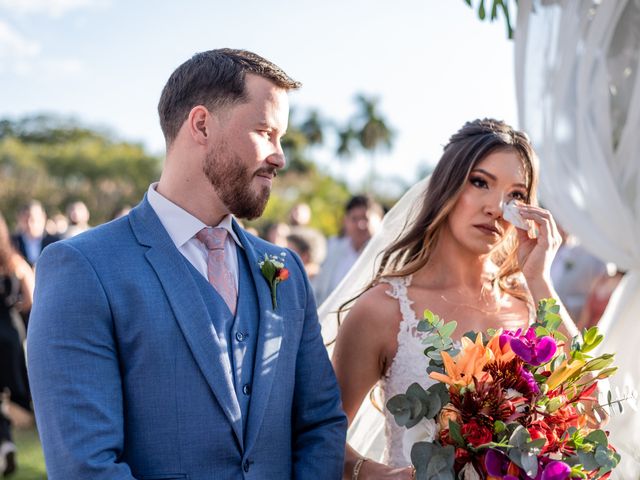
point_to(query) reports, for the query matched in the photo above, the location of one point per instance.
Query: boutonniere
(273, 270)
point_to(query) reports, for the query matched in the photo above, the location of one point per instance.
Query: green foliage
(57, 161)
(496, 6)
(411, 407)
(433, 462)
(368, 129)
(323, 193)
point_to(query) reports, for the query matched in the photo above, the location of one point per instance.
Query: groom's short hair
(214, 79)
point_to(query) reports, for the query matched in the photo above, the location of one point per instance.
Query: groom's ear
(199, 124)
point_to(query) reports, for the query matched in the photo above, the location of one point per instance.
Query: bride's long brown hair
(466, 148)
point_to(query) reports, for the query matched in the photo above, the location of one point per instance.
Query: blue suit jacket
(129, 379)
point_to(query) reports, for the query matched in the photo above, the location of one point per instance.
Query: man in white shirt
(362, 219)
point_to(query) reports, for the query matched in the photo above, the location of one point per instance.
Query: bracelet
(357, 467)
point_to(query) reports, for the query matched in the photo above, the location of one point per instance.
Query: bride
(457, 256)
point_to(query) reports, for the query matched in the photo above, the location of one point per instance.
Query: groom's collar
(180, 224)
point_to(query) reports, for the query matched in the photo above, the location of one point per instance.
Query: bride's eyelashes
(480, 182)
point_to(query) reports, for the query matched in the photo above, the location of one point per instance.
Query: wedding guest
(32, 237)
(78, 215)
(277, 232)
(300, 215)
(573, 271)
(311, 246)
(57, 224)
(456, 256)
(16, 294)
(158, 348)
(599, 295)
(362, 217)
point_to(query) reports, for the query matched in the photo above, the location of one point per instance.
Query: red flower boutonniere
(273, 270)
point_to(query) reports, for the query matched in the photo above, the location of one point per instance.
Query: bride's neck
(450, 268)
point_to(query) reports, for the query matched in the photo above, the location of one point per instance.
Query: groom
(155, 348)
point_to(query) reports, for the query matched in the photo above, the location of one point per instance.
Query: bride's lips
(488, 229)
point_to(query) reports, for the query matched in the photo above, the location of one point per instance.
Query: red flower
(476, 434)
(282, 274)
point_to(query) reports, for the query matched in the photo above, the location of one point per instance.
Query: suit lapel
(270, 330)
(189, 310)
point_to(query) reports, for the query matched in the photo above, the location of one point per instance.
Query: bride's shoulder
(375, 306)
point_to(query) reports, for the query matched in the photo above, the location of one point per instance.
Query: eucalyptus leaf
(423, 326)
(441, 390)
(529, 463)
(429, 316)
(587, 460)
(447, 329)
(598, 437)
(520, 437)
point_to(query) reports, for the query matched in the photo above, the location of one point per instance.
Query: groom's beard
(233, 183)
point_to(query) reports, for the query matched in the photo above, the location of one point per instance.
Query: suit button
(246, 389)
(240, 336)
(246, 465)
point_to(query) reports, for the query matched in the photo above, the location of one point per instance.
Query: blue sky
(432, 63)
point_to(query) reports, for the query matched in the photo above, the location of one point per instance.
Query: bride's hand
(377, 471)
(536, 254)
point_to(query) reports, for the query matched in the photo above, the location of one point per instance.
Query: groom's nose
(277, 158)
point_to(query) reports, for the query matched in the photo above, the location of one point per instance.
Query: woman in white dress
(459, 258)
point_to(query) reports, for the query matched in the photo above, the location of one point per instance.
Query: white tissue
(511, 214)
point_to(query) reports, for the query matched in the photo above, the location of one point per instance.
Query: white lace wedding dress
(408, 366)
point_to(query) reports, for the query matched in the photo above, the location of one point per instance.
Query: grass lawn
(29, 458)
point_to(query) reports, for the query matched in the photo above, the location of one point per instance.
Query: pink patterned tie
(219, 274)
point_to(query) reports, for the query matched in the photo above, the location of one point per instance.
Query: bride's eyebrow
(494, 178)
(484, 172)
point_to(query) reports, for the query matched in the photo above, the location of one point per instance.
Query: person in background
(78, 215)
(57, 224)
(32, 237)
(573, 271)
(362, 218)
(16, 295)
(300, 215)
(311, 246)
(598, 297)
(277, 233)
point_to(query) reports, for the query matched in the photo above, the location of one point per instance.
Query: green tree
(300, 139)
(56, 160)
(369, 130)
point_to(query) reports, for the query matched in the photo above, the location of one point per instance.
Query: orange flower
(467, 364)
(502, 353)
(283, 274)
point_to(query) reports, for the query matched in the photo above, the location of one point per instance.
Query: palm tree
(371, 131)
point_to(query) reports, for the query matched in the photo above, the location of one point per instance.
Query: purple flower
(507, 335)
(534, 350)
(497, 464)
(556, 470)
(528, 382)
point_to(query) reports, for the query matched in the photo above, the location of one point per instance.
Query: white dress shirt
(182, 227)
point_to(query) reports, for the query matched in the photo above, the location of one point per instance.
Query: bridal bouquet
(513, 405)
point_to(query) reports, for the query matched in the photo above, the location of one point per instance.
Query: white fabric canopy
(579, 99)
